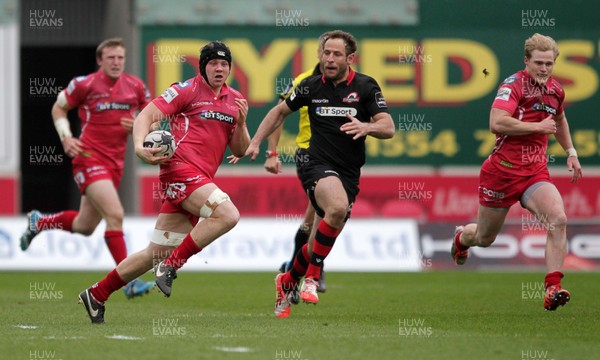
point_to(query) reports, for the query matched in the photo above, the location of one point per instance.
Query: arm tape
(63, 128)
(61, 99)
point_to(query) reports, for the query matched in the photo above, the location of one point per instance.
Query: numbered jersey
(526, 100)
(328, 105)
(201, 122)
(102, 102)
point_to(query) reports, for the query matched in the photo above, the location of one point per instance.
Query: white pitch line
(26, 326)
(123, 337)
(239, 349)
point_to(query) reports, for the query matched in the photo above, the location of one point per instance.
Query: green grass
(435, 315)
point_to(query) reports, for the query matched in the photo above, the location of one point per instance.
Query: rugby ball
(161, 139)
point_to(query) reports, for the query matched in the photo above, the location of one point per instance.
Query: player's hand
(547, 126)
(148, 155)
(243, 110)
(252, 151)
(72, 146)
(273, 165)
(574, 166)
(127, 123)
(233, 159)
(355, 127)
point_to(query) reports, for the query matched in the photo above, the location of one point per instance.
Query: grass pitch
(431, 315)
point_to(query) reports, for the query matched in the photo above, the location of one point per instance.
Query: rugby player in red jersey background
(107, 102)
(528, 107)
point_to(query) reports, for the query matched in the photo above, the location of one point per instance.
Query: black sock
(300, 263)
(299, 241)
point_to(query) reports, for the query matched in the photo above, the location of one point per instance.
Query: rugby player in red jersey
(107, 101)
(206, 116)
(528, 107)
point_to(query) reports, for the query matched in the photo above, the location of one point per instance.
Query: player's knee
(337, 213)
(219, 206)
(485, 241)
(558, 221)
(230, 217)
(115, 215)
(216, 198)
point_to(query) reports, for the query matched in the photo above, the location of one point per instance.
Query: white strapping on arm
(61, 99)
(62, 125)
(63, 128)
(571, 152)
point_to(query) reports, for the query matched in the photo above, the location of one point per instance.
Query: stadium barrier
(386, 245)
(434, 197)
(520, 245)
(259, 244)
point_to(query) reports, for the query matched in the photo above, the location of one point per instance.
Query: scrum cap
(213, 50)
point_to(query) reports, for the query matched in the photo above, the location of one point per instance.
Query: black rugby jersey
(360, 96)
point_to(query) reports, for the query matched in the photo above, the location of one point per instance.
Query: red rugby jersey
(102, 103)
(201, 122)
(526, 100)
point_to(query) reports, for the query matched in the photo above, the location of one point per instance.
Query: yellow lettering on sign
(488, 141)
(262, 69)
(309, 54)
(585, 142)
(391, 62)
(414, 144)
(436, 86)
(584, 78)
(169, 58)
(408, 71)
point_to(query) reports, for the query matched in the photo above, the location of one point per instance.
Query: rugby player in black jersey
(343, 107)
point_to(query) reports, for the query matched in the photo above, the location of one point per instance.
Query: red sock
(116, 244)
(298, 267)
(105, 287)
(324, 240)
(553, 278)
(59, 221)
(458, 244)
(288, 281)
(183, 252)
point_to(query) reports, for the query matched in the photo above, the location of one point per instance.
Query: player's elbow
(389, 131)
(495, 127)
(499, 130)
(500, 121)
(385, 135)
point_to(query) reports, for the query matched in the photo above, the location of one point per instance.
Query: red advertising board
(9, 193)
(432, 197)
